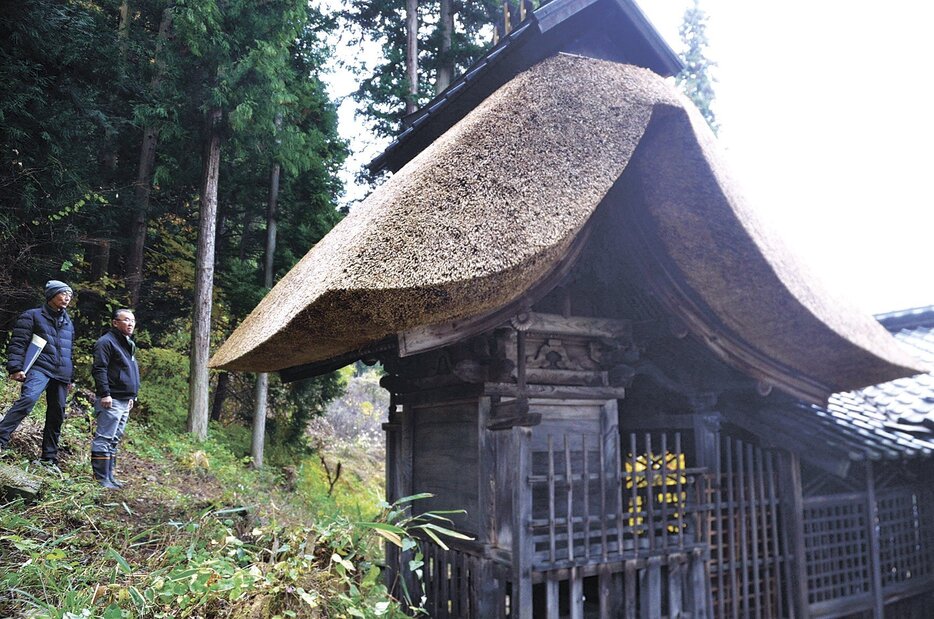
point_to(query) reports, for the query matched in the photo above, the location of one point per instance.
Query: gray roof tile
(890, 420)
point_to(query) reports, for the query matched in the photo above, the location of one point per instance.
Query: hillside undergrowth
(195, 533)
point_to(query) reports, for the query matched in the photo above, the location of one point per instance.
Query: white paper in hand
(32, 351)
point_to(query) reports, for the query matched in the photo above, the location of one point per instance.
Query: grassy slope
(195, 533)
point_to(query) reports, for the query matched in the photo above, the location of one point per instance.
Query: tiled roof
(889, 420)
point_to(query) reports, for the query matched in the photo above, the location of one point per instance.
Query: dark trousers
(55, 392)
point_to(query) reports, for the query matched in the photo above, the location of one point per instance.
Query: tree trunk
(123, 29)
(411, 54)
(141, 188)
(446, 68)
(260, 399)
(139, 228)
(199, 386)
(271, 224)
(220, 395)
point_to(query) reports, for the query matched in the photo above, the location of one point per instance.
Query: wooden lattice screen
(595, 500)
(624, 516)
(906, 536)
(837, 547)
(840, 554)
(749, 568)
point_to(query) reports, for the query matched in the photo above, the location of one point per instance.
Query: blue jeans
(33, 386)
(111, 423)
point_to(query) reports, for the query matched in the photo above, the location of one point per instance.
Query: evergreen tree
(447, 44)
(696, 80)
(85, 83)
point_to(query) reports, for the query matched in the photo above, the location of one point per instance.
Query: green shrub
(163, 396)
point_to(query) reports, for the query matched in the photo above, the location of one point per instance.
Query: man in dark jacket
(52, 371)
(116, 382)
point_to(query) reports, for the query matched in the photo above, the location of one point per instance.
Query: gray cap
(53, 287)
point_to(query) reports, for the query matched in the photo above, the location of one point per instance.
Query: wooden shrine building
(643, 403)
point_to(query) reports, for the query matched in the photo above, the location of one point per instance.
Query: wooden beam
(564, 392)
(790, 467)
(524, 421)
(872, 524)
(584, 326)
(450, 393)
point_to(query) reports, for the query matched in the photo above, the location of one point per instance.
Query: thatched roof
(490, 207)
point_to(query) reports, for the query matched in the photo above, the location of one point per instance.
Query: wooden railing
(597, 501)
(841, 554)
(624, 520)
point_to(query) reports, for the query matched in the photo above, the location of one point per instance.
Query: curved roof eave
(489, 208)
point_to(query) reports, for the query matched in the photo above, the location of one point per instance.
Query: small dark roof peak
(907, 318)
(615, 30)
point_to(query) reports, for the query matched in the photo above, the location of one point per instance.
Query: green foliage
(296, 403)
(696, 80)
(72, 554)
(205, 566)
(78, 96)
(163, 399)
(383, 87)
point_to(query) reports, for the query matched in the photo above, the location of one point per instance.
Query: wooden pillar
(875, 560)
(706, 427)
(392, 429)
(488, 591)
(522, 551)
(488, 599)
(702, 604)
(404, 487)
(486, 482)
(793, 501)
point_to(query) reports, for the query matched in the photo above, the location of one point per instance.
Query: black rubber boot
(100, 464)
(112, 471)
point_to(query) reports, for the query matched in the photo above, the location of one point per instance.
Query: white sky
(826, 117)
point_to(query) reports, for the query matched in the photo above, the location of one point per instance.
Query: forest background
(178, 157)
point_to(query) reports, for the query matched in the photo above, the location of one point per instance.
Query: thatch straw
(464, 227)
(481, 214)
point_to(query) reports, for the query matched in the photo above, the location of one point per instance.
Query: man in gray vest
(116, 383)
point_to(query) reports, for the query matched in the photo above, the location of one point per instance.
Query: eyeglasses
(129, 321)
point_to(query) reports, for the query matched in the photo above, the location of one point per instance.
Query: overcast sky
(826, 117)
